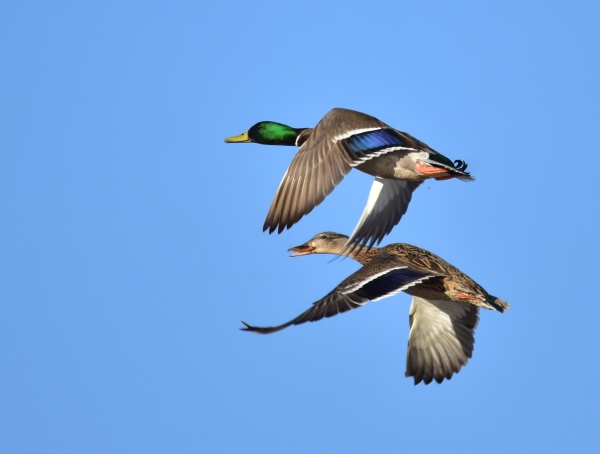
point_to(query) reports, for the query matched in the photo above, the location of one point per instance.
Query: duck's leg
(464, 296)
(426, 169)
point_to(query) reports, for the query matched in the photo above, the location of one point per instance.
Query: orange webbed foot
(426, 169)
(464, 296)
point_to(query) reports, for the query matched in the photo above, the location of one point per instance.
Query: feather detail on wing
(341, 140)
(387, 203)
(382, 277)
(441, 338)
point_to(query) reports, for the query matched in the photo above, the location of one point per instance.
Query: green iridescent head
(268, 133)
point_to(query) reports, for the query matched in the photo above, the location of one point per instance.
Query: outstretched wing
(387, 203)
(441, 338)
(383, 276)
(341, 140)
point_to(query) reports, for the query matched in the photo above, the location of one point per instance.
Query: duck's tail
(457, 168)
(497, 303)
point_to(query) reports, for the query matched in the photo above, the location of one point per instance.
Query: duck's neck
(365, 255)
(303, 134)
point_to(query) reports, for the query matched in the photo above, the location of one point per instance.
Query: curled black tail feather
(457, 168)
(460, 165)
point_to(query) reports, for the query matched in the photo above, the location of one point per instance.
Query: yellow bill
(242, 138)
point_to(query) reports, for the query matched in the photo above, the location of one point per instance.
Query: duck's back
(451, 282)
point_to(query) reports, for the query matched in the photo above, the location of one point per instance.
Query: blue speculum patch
(372, 141)
(390, 282)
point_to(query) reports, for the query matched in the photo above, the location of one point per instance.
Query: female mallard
(344, 139)
(444, 310)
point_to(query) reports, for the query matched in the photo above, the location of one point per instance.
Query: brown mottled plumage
(444, 312)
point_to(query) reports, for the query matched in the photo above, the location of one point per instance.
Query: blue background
(131, 237)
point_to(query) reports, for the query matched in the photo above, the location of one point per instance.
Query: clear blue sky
(131, 236)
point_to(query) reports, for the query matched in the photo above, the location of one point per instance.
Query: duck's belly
(398, 165)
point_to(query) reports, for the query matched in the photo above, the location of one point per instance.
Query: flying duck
(444, 311)
(344, 139)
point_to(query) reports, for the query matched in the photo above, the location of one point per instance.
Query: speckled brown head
(321, 243)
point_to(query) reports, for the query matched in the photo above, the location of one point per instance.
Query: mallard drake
(344, 139)
(444, 311)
